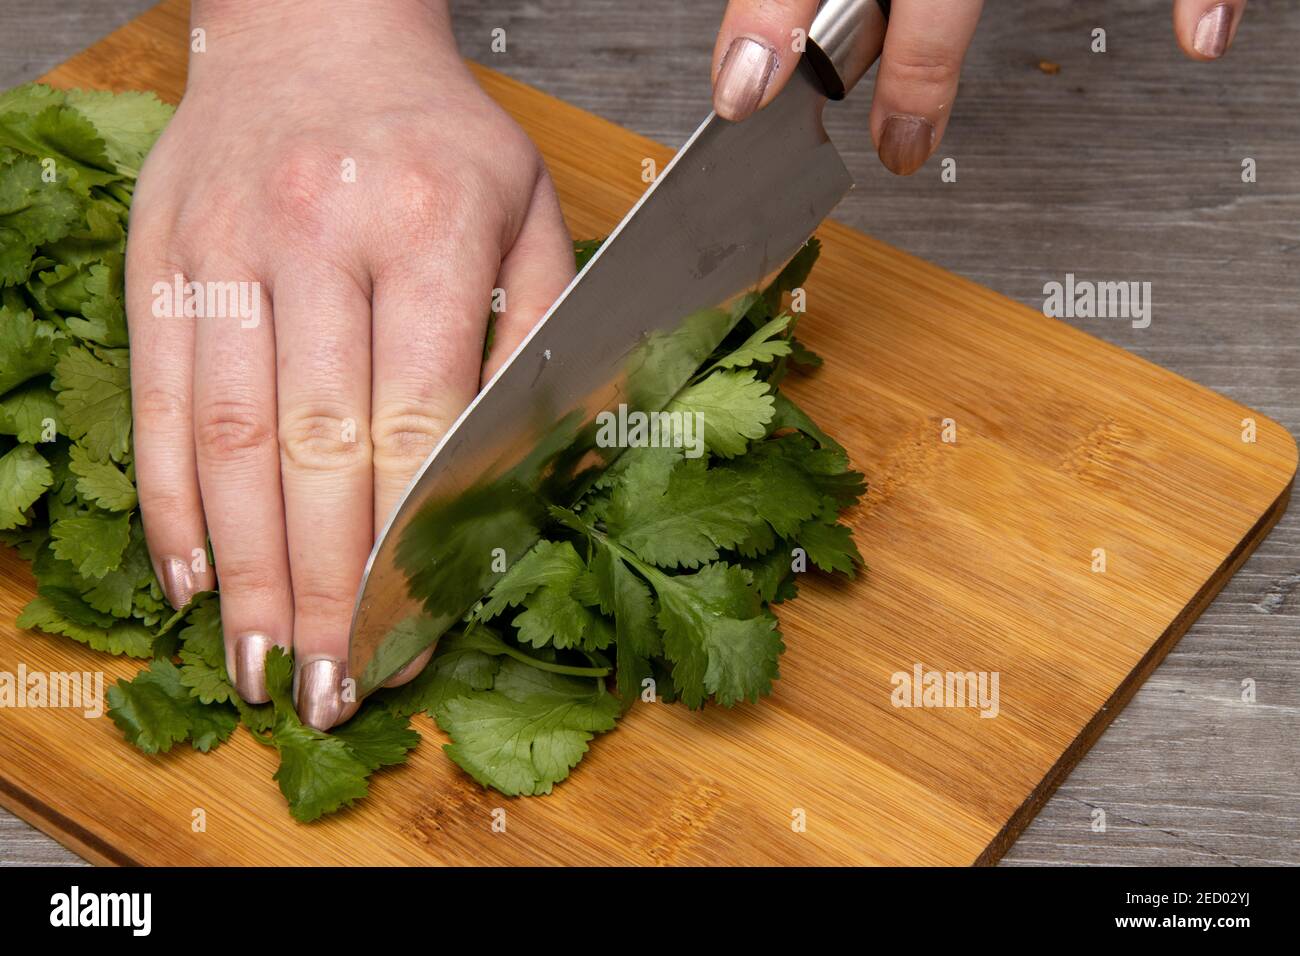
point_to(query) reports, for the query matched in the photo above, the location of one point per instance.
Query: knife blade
(734, 204)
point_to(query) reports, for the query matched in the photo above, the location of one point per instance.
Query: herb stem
(568, 669)
(501, 647)
(118, 192)
(649, 572)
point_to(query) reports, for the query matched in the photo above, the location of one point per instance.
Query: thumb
(758, 47)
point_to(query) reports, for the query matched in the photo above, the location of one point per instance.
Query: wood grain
(980, 553)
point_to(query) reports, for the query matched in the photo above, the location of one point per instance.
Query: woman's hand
(339, 187)
(925, 44)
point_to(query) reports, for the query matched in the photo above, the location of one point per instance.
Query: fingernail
(319, 699)
(905, 143)
(1211, 37)
(177, 582)
(742, 79)
(250, 667)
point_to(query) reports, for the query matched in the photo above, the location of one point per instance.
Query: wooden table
(1124, 165)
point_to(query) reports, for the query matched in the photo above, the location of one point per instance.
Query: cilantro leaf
(699, 511)
(94, 542)
(102, 316)
(258, 718)
(155, 711)
(102, 482)
(318, 774)
(377, 737)
(210, 725)
(762, 346)
(25, 410)
(779, 488)
(735, 408)
(627, 599)
(830, 547)
(46, 612)
(279, 680)
(206, 682)
(151, 709)
(24, 475)
(465, 661)
(718, 636)
(115, 592)
(542, 582)
(786, 414)
(771, 573)
(803, 356)
(60, 133)
(529, 731)
(203, 654)
(32, 211)
(55, 610)
(95, 392)
(129, 123)
(26, 344)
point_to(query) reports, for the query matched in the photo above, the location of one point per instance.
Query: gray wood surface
(1122, 166)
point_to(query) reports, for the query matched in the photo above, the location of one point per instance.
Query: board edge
(1123, 694)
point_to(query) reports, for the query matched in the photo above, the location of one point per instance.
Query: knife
(736, 202)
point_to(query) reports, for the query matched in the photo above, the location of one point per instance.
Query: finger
(755, 53)
(1205, 28)
(239, 474)
(322, 331)
(430, 312)
(411, 670)
(533, 274)
(162, 376)
(924, 47)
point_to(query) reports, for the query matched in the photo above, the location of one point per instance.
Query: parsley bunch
(656, 585)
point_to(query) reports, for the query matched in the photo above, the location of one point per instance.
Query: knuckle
(427, 202)
(319, 439)
(231, 429)
(300, 183)
(320, 602)
(164, 504)
(248, 579)
(156, 404)
(921, 66)
(403, 435)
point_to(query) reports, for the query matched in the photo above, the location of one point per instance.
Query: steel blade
(735, 204)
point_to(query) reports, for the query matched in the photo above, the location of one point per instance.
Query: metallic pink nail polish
(746, 69)
(1211, 36)
(320, 697)
(250, 667)
(905, 143)
(177, 582)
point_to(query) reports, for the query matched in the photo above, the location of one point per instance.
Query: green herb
(656, 585)
(663, 574)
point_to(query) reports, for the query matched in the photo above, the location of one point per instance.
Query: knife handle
(845, 39)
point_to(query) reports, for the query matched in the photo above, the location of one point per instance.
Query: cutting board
(1005, 451)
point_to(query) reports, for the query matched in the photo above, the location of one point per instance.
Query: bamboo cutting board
(982, 556)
